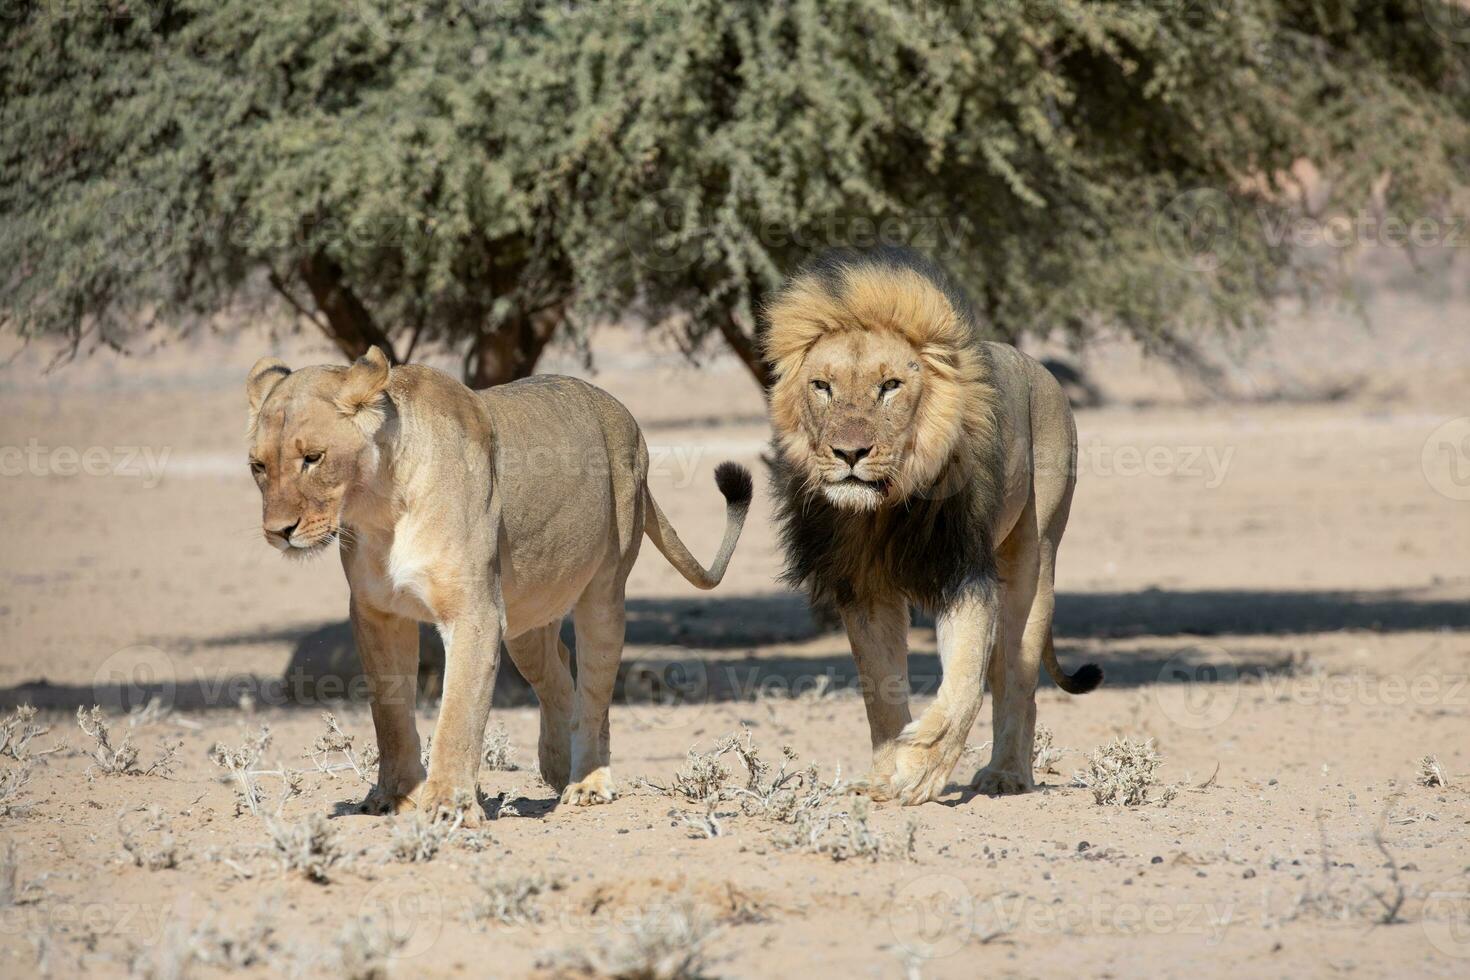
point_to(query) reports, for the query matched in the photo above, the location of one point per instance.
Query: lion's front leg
(929, 748)
(471, 658)
(388, 646)
(879, 638)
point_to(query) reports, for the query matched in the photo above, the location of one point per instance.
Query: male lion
(917, 464)
(490, 513)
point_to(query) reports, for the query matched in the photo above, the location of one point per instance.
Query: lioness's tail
(735, 483)
(1084, 679)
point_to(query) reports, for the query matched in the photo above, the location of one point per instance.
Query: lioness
(490, 513)
(917, 464)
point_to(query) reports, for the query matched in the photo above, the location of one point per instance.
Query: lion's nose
(286, 530)
(851, 456)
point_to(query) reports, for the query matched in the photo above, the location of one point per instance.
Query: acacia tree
(480, 174)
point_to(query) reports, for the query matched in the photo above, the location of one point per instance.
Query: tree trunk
(348, 323)
(747, 348)
(511, 351)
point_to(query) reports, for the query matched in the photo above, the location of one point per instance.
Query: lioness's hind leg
(599, 619)
(543, 659)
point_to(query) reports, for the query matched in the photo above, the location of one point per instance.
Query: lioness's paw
(596, 788)
(381, 803)
(998, 782)
(443, 801)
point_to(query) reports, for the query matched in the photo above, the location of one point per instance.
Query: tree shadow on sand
(712, 649)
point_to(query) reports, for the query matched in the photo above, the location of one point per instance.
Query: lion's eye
(822, 386)
(257, 467)
(891, 384)
(311, 459)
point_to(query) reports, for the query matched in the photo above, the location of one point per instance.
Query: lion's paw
(596, 788)
(920, 774)
(440, 800)
(998, 782)
(876, 786)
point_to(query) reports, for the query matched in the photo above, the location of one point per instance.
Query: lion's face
(860, 393)
(311, 442)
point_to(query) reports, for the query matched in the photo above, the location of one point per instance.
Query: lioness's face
(308, 450)
(861, 392)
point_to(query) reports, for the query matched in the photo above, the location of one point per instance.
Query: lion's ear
(262, 380)
(364, 382)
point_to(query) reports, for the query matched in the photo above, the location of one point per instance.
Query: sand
(1275, 583)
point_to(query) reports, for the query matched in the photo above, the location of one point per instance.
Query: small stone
(1082, 846)
(1156, 860)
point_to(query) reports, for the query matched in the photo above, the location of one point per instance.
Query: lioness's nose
(851, 456)
(285, 531)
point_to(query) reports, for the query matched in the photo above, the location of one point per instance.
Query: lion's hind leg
(1026, 612)
(545, 662)
(929, 748)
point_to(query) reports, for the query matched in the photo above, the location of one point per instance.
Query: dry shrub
(1124, 773)
(307, 847)
(666, 943)
(149, 843)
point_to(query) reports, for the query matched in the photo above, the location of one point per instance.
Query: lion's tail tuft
(735, 483)
(1084, 679)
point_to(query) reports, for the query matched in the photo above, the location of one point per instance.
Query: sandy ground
(1276, 585)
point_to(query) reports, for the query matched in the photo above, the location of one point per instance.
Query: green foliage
(458, 166)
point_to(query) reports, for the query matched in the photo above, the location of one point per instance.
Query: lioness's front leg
(471, 658)
(929, 748)
(879, 638)
(389, 648)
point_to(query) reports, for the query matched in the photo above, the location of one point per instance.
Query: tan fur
(492, 514)
(977, 424)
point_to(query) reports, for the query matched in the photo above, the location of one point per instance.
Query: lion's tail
(1085, 678)
(735, 483)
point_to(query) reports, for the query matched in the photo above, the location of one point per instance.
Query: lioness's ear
(363, 383)
(261, 380)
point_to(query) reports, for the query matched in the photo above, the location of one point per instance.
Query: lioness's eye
(890, 385)
(257, 467)
(822, 386)
(311, 459)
